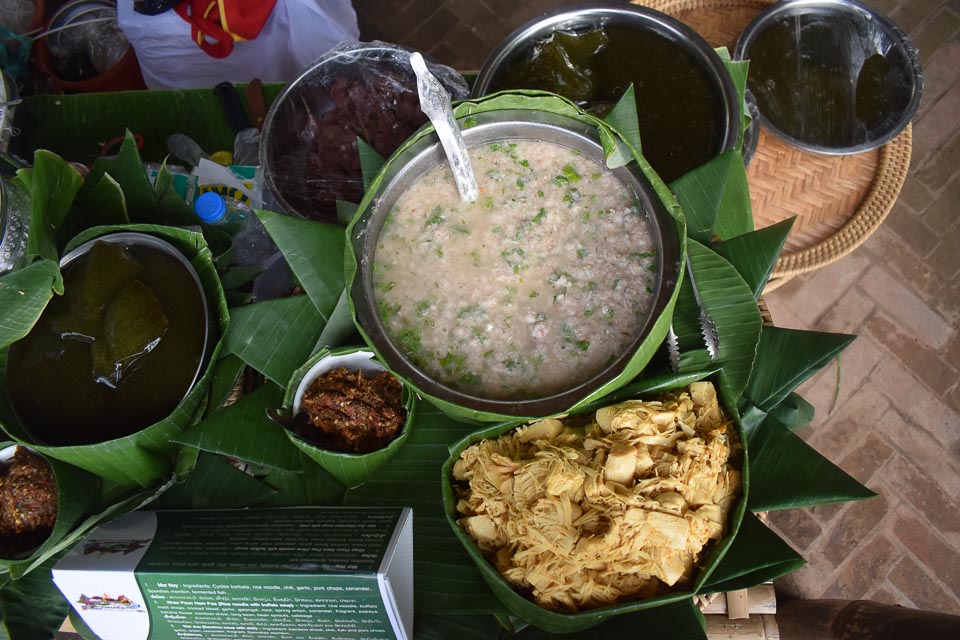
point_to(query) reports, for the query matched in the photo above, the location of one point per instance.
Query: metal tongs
(708, 327)
(435, 103)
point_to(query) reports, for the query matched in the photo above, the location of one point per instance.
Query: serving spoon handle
(435, 103)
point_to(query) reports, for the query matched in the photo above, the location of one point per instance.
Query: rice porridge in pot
(534, 288)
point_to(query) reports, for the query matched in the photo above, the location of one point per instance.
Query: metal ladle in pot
(435, 103)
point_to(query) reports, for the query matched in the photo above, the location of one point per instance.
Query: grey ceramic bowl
(659, 110)
(490, 127)
(831, 76)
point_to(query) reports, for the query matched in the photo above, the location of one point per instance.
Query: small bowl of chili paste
(348, 413)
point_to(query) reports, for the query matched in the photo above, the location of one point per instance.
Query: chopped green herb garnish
(470, 378)
(386, 309)
(539, 194)
(534, 294)
(582, 253)
(587, 313)
(595, 176)
(410, 340)
(521, 182)
(487, 203)
(473, 310)
(436, 217)
(571, 196)
(570, 173)
(540, 215)
(524, 163)
(453, 362)
(582, 345)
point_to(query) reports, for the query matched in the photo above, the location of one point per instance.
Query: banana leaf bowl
(522, 117)
(560, 622)
(143, 453)
(351, 469)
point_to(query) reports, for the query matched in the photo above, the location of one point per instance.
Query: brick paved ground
(895, 424)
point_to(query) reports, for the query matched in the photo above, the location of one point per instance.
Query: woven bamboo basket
(839, 201)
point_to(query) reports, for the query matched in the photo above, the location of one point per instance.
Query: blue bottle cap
(210, 207)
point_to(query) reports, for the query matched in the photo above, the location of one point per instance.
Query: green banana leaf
(350, 469)
(755, 254)
(274, 336)
(215, 484)
(52, 185)
(103, 203)
(738, 73)
(793, 412)
(555, 622)
(716, 199)
(75, 126)
(339, 329)
(24, 294)
(147, 456)
(143, 204)
(226, 374)
(174, 209)
(32, 608)
(785, 359)
(371, 162)
(732, 306)
(244, 431)
(314, 252)
(612, 141)
(788, 473)
(311, 486)
(757, 555)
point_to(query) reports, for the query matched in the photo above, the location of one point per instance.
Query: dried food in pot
(352, 413)
(28, 503)
(623, 508)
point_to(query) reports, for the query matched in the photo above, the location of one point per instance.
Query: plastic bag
(309, 144)
(90, 48)
(296, 32)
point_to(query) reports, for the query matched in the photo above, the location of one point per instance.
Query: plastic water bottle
(251, 242)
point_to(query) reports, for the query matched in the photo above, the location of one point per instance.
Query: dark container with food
(831, 76)
(686, 101)
(309, 152)
(348, 413)
(41, 501)
(119, 350)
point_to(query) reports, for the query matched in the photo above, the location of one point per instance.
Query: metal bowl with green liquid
(686, 101)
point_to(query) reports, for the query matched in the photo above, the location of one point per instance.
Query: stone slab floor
(895, 424)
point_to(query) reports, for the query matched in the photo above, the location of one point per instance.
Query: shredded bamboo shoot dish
(590, 511)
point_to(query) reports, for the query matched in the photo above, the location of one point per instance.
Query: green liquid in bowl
(113, 355)
(681, 109)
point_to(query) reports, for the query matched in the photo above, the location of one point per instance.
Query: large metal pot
(672, 144)
(425, 154)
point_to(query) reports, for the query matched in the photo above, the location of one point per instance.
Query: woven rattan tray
(838, 200)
